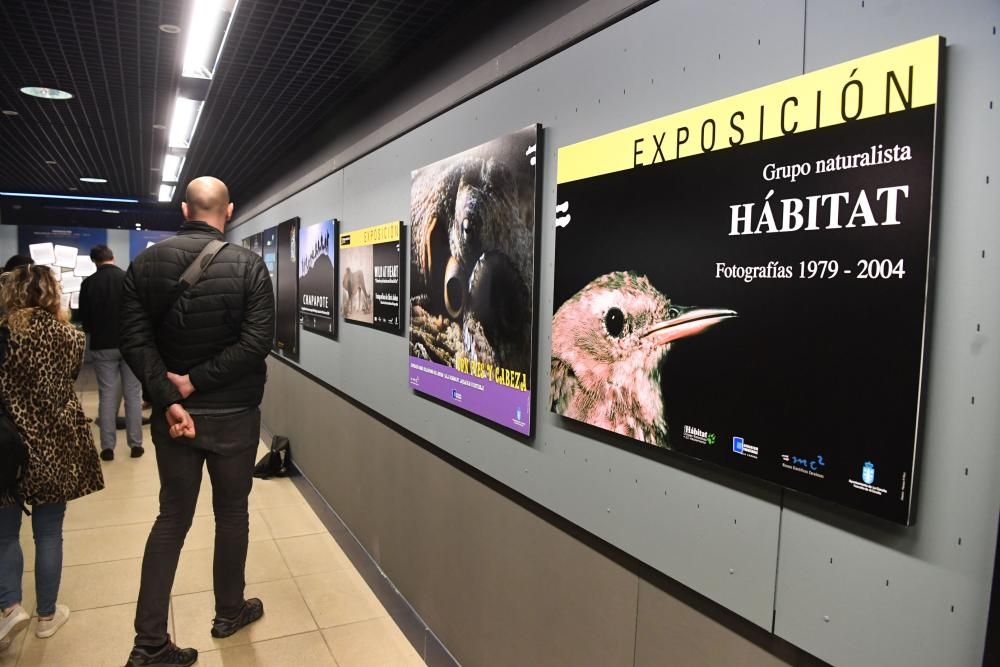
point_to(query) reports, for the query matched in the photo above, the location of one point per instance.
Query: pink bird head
(612, 335)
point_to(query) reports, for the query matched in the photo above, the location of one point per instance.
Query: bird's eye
(614, 322)
(672, 313)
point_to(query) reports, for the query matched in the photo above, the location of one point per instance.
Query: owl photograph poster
(473, 234)
(746, 282)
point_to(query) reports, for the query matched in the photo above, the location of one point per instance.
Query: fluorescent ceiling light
(170, 28)
(40, 196)
(109, 210)
(210, 21)
(47, 93)
(9, 112)
(172, 165)
(166, 192)
(91, 179)
(184, 121)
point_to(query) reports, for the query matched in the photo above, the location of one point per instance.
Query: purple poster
(472, 287)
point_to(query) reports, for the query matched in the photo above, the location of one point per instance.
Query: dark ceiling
(286, 66)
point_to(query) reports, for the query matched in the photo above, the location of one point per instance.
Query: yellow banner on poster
(900, 78)
(371, 235)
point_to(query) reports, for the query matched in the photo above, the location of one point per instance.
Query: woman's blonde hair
(32, 287)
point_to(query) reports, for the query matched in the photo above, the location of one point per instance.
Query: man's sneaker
(107, 455)
(48, 628)
(13, 622)
(252, 610)
(170, 655)
(136, 452)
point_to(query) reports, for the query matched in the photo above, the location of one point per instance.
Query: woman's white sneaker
(48, 628)
(12, 623)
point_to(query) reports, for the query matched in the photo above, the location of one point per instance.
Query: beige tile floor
(318, 610)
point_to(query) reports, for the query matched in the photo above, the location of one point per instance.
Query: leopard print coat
(36, 382)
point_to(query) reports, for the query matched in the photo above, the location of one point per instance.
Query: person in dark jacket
(100, 301)
(200, 355)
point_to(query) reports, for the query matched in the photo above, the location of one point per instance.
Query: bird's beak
(689, 322)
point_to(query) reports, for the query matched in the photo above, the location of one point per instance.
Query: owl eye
(614, 322)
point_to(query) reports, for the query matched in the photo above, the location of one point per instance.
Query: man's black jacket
(100, 300)
(219, 332)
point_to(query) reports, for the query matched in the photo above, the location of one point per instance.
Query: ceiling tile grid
(285, 65)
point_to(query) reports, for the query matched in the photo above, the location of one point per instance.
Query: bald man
(200, 355)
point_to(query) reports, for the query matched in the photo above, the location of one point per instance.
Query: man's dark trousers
(227, 444)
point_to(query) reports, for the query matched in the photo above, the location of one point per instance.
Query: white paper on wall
(66, 299)
(71, 283)
(42, 253)
(74, 300)
(84, 267)
(65, 256)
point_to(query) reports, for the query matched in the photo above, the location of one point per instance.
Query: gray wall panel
(708, 529)
(933, 609)
(118, 241)
(8, 242)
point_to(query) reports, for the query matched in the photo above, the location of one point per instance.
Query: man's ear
(229, 212)
(184, 209)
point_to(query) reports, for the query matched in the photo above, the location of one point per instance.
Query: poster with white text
(746, 282)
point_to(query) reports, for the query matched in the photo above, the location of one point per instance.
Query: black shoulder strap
(192, 274)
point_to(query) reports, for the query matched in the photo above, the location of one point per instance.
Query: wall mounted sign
(372, 276)
(472, 279)
(318, 278)
(66, 250)
(746, 281)
(139, 240)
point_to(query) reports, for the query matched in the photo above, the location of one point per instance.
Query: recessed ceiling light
(184, 122)
(72, 189)
(172, 165)
(109, 210)
(90, 179)
(10, 112)
(47, 93)
(159, 126)
(170, 28)
(154, 168)
(52, 162)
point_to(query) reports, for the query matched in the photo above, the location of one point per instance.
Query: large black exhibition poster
(318, 278)
(372, 276)
(472, 279)
(746, 281)
(286, 323)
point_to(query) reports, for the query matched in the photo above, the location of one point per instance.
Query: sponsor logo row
(811, 466)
